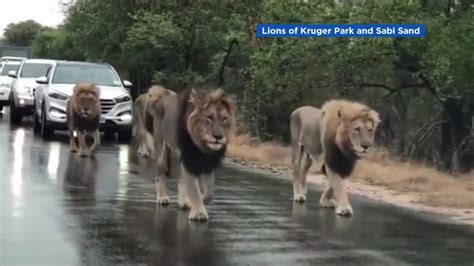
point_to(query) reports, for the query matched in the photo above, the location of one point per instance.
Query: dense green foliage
(423, 88)
(22, 33)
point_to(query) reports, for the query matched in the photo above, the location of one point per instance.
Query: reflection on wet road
(58, 209)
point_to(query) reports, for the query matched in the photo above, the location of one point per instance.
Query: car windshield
(96, 74)
(34, 70)
(9, 67)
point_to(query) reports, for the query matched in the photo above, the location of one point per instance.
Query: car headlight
(24, 90)
(123, 99)
(58, 96)
(6, 85)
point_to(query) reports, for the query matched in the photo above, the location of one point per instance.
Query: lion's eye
(370, 130)
(209, 117)
(357, 129)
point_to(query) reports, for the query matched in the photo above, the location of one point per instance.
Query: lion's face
(356, 132)
(211, 120)
(86, 101)
(361, 135)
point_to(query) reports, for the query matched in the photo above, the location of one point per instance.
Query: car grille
(106, 105)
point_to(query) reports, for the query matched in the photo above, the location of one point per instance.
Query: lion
(191, 130)
(83, 117)
(143, 105)
(335, 136)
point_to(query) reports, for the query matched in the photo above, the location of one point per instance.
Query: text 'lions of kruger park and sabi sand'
(190, 129)
(334, 137)
(83, 117)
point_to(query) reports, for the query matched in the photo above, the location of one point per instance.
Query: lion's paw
(184, 205)
(327, 203)
(163, 200)
(199, 215)
(300, 198)
(344, 210)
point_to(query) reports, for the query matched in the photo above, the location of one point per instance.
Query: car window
(34, 70)
(96, 74)
(9, 67)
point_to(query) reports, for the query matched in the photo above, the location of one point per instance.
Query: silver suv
(24, 85)
(56, 88)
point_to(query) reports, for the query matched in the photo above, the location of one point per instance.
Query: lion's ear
(374, 116)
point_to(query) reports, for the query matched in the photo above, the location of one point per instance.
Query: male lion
(192, 127)
(144, 105)
(83, 116)
(342, 132)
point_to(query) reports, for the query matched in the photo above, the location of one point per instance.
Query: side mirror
(42, 80)
(12, 74)
(127, 84)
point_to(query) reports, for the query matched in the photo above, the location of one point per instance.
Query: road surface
(58, 209)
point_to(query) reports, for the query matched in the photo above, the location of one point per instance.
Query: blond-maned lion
(340, 132)
(83, 117)
(143, 109)
(191, 129)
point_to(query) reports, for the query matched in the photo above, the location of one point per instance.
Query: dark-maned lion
(192, 127)
(83, 117)
(341, 132)
(145, 104)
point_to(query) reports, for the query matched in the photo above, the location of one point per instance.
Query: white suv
(24, 85)
(56, 88)
(6, 81)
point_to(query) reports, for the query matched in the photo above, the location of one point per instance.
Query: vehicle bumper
(23, 101)
(4, 95)
(119, 118)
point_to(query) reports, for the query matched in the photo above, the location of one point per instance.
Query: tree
(22, 33)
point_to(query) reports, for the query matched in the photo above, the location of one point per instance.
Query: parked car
(6, 81)
(12, 59)
(24, 85)
(56, 88)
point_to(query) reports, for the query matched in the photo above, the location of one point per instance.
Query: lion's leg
(149, 144)
(198, 211)
(307, 165)
(337, 184)
(183, 200)
(161, 192)
(72, 140)
(298, 194)
(163, 173)
(327, 198)
(95, 145)
(207, 184)
(81, 137)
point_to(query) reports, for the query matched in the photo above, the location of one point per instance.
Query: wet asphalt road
(58, 209)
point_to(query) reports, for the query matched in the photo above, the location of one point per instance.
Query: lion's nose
(365, 146)
(218, 136)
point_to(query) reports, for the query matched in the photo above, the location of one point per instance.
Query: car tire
(125, 135)
(15, 114)
(1, 109)
(46, 130)
(109, 134)
(36, 122)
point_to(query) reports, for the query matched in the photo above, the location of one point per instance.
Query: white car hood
(26, 82)
(106, 92)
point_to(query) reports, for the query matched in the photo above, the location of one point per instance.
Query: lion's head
(211, 119)
(157, 92)
(355, 126)
(85, 100)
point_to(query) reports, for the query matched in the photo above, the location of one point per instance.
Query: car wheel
(15, 115)
(46, 130)
(125, 135)
(109, 134)
(1, 109)
(36, 122)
